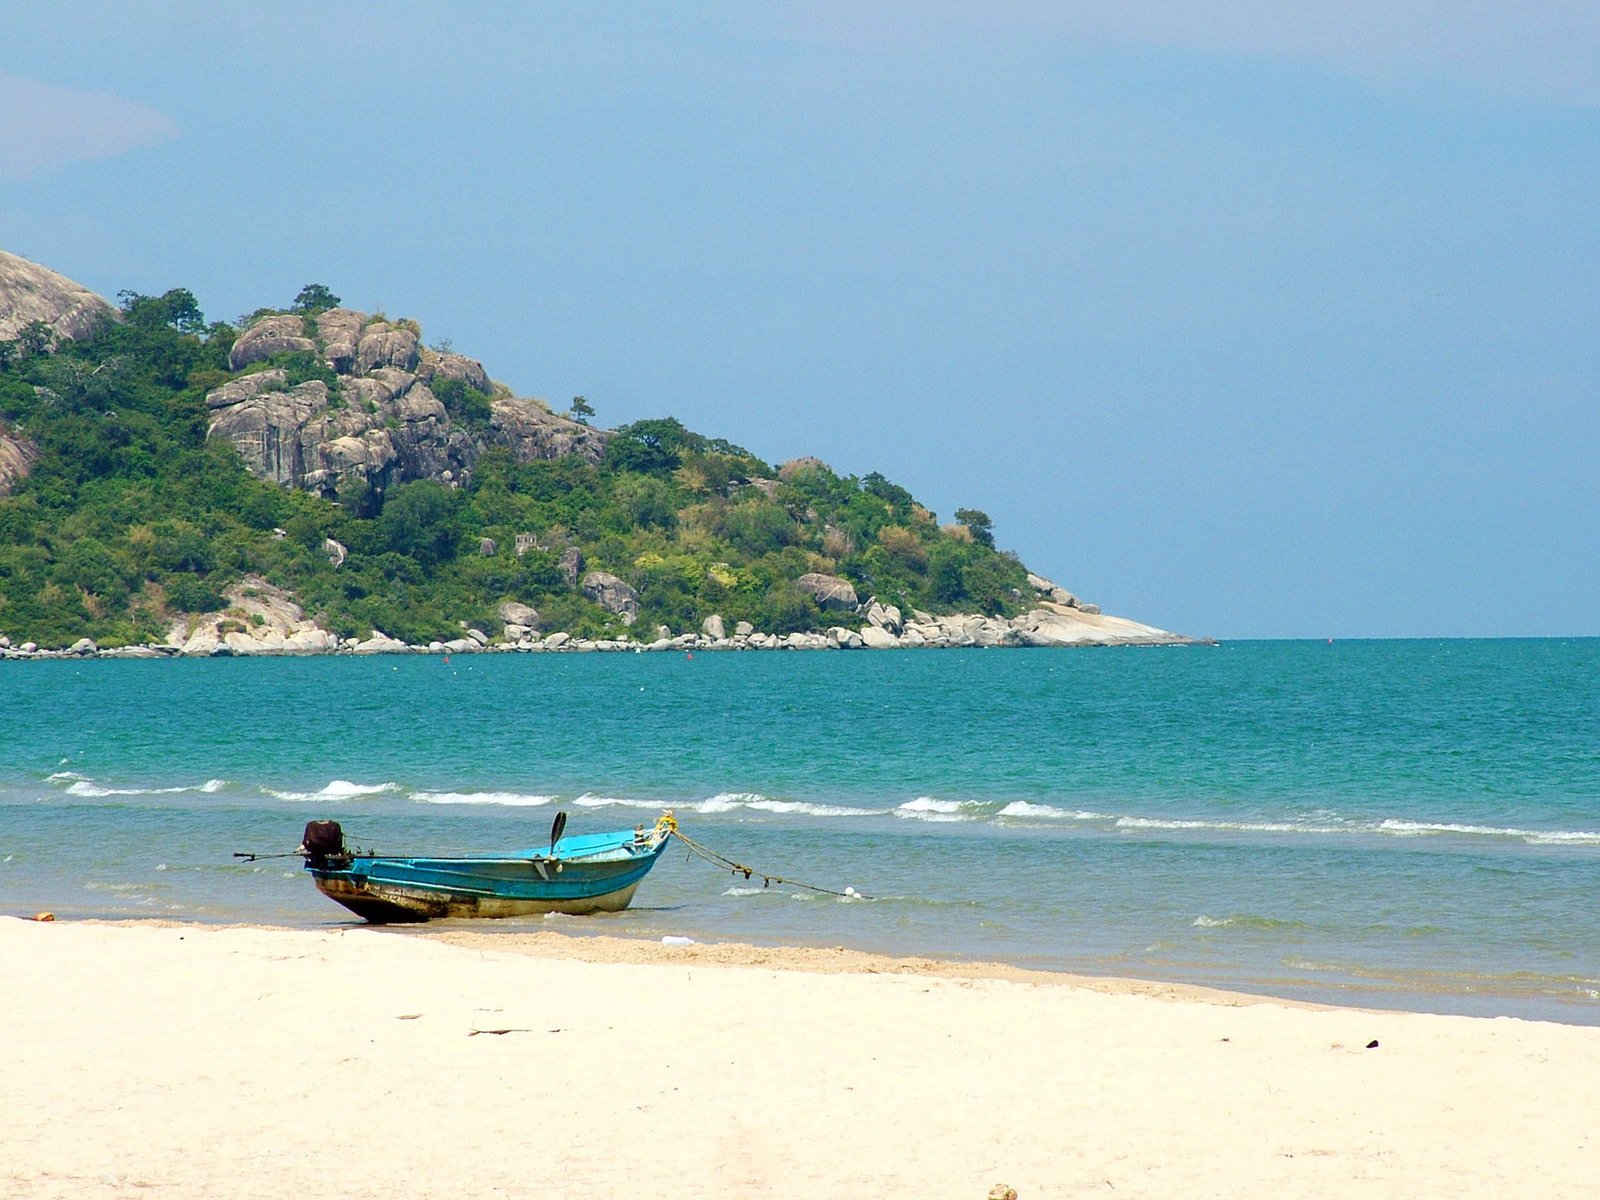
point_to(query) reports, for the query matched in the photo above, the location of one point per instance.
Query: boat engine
(323, 840)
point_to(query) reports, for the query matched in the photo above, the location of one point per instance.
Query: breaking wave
(82, 785)
(338, 789)
(1178, 823)
(731, 801)
(1534, 837)
(1023, 809)
(509, 799)
(1016, 813)
(926, 808)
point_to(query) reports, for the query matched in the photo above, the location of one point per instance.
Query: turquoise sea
(1409, 824)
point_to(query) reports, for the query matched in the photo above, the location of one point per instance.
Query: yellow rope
(667, 825)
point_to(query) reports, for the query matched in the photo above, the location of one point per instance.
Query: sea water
(1389, 823)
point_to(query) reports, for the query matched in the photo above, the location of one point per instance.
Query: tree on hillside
(978, 522)
(581, 410)
(422, 521)
(314, 298)
(34, 338)
(654, 445)
(176, 307)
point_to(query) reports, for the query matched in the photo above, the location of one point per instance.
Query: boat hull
(601, 874)
(386, 903)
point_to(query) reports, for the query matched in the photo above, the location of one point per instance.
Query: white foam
(750, 891)
(60, 776)
(1536, 837)
(926, 808)
(1175, 823)
(84, 788)
(1049, 812)
(1565, 837)
(929, 804)
(509, 799)
(338, 789)
(729, 801)
(589, 801)
(87, 787)
(1205, 922)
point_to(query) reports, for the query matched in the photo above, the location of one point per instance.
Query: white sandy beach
(185, 1062)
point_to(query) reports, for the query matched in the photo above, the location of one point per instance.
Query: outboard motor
(323, 840)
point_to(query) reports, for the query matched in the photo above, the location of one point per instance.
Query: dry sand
(186, 1062)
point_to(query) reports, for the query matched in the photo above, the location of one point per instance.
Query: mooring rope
(667, 823)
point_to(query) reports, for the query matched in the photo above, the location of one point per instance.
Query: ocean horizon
(1407, 823)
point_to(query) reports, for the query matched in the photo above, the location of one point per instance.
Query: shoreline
(265, 621)
(177, 1060)
(562, 643)
(646, 949)
(148, 652)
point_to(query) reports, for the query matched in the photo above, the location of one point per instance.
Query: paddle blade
(555, 830)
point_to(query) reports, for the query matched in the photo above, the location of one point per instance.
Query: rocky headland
(347, 406)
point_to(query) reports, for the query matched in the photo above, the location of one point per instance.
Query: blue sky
(1242, 320)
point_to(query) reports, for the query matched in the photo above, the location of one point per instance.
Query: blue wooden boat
(587, 873)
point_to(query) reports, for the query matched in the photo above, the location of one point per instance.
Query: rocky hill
(30, 293)
(317, 479)
(379, 419)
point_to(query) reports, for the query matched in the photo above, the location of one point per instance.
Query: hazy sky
(1241, 319)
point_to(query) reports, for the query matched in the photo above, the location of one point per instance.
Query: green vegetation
(131, 516)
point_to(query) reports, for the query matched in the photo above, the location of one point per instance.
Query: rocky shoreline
(264, 621)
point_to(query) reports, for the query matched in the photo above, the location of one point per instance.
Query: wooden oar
(555, 831)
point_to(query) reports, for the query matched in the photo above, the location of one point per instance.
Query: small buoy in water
(44, 916)
(849, 891)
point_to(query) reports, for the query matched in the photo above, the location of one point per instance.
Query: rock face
(612, 594)
(513, 612)
(531, 433)
(17, 456)
(29, 292)
(259, 619)
(884, 616)
(381, 423)
(432, 364)
(340, 331)
(1057, 625)
(385, 345)
(269, 336)
(1059, 595)
(875, 637)
(832, 594)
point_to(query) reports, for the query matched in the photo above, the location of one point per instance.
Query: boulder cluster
(381, 421)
